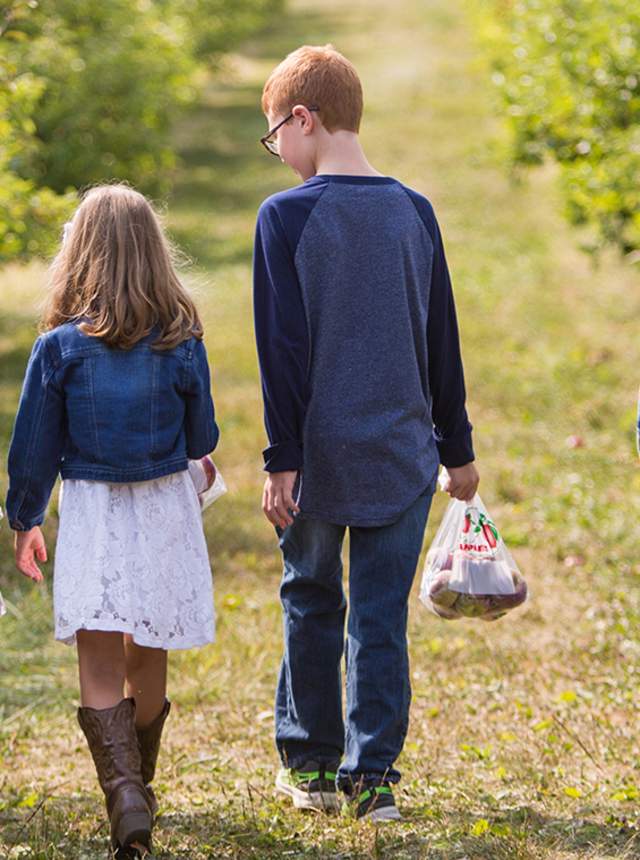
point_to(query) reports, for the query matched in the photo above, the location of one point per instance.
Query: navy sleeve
(452, 429)
(282, 340)
(446, 374)
(35, 453)
(200, 423)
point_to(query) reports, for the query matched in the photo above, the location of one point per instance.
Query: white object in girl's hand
(207, 480)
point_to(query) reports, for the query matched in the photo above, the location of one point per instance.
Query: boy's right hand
(277, 498)
(30, 546)
(463, 482)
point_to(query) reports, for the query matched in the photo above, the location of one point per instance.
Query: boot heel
(133, 827)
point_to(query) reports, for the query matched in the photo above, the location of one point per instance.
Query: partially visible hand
(277, 498)
(463, 482)
(30, 546)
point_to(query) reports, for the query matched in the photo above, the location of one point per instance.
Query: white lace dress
(133, 558)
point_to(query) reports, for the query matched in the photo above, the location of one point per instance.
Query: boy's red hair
(316, 77)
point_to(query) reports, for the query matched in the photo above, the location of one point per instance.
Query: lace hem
(67, 635)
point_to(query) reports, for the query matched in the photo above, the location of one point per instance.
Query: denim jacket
(90, 411)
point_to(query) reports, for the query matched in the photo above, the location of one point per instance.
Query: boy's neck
(341, 153)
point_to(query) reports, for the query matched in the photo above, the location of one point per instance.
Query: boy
(364, 396)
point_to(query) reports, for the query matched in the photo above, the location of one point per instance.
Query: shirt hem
(366, 522)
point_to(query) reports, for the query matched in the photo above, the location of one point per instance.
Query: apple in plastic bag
(504, 602)
(488, 607)
(493, 616)
(440, 558)
(472, 605)
(440, 593)
(448, 614)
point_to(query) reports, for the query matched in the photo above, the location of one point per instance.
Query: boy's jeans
(382, 566)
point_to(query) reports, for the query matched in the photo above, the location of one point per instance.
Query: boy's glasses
(272, 145)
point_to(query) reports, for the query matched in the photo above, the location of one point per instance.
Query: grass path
(523, 740)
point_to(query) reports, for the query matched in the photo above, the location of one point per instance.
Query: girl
(116, 399)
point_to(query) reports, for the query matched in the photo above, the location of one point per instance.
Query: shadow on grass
(59, 826)
(224, 172)
(38, 674)
(517, 831)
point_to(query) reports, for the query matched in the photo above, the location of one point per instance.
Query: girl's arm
(37, 443)
(200, 422)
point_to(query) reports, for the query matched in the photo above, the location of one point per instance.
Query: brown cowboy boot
(149, 743)
(111, 736)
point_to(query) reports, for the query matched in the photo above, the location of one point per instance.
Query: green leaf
(568, 696)
(232, 601)
(480, 827)
(628, 793)
(29, 801)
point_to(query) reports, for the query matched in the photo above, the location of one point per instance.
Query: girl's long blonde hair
(116, 269)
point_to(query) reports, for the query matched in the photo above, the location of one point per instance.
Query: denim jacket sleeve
(35, 453)
(200, 424)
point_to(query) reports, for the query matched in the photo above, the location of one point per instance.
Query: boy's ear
(306, 118)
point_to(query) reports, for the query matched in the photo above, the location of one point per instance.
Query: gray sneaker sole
(385, 813)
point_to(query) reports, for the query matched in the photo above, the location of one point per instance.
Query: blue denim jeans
(309, 719)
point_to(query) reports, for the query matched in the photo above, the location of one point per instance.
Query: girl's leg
(146, 679)
(101, 663)
(108, 722)
(146, 682)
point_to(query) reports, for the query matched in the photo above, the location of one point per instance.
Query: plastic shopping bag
(207, 480)
(469, 572)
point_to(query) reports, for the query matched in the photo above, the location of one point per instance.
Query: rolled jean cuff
(321, 756)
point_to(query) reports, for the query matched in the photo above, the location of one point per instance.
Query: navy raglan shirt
(358, 346)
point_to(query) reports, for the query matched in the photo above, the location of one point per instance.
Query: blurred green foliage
(569, 80)
(29, 211)
(89, 92)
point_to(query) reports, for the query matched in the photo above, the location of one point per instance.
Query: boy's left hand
(277, 498)
(463, 482)
(30, 546)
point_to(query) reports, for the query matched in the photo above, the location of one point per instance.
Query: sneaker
(375, 803)
(312, 786)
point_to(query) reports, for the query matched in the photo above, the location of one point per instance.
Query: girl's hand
(30, 546)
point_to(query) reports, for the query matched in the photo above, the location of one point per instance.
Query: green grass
(523, 740)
